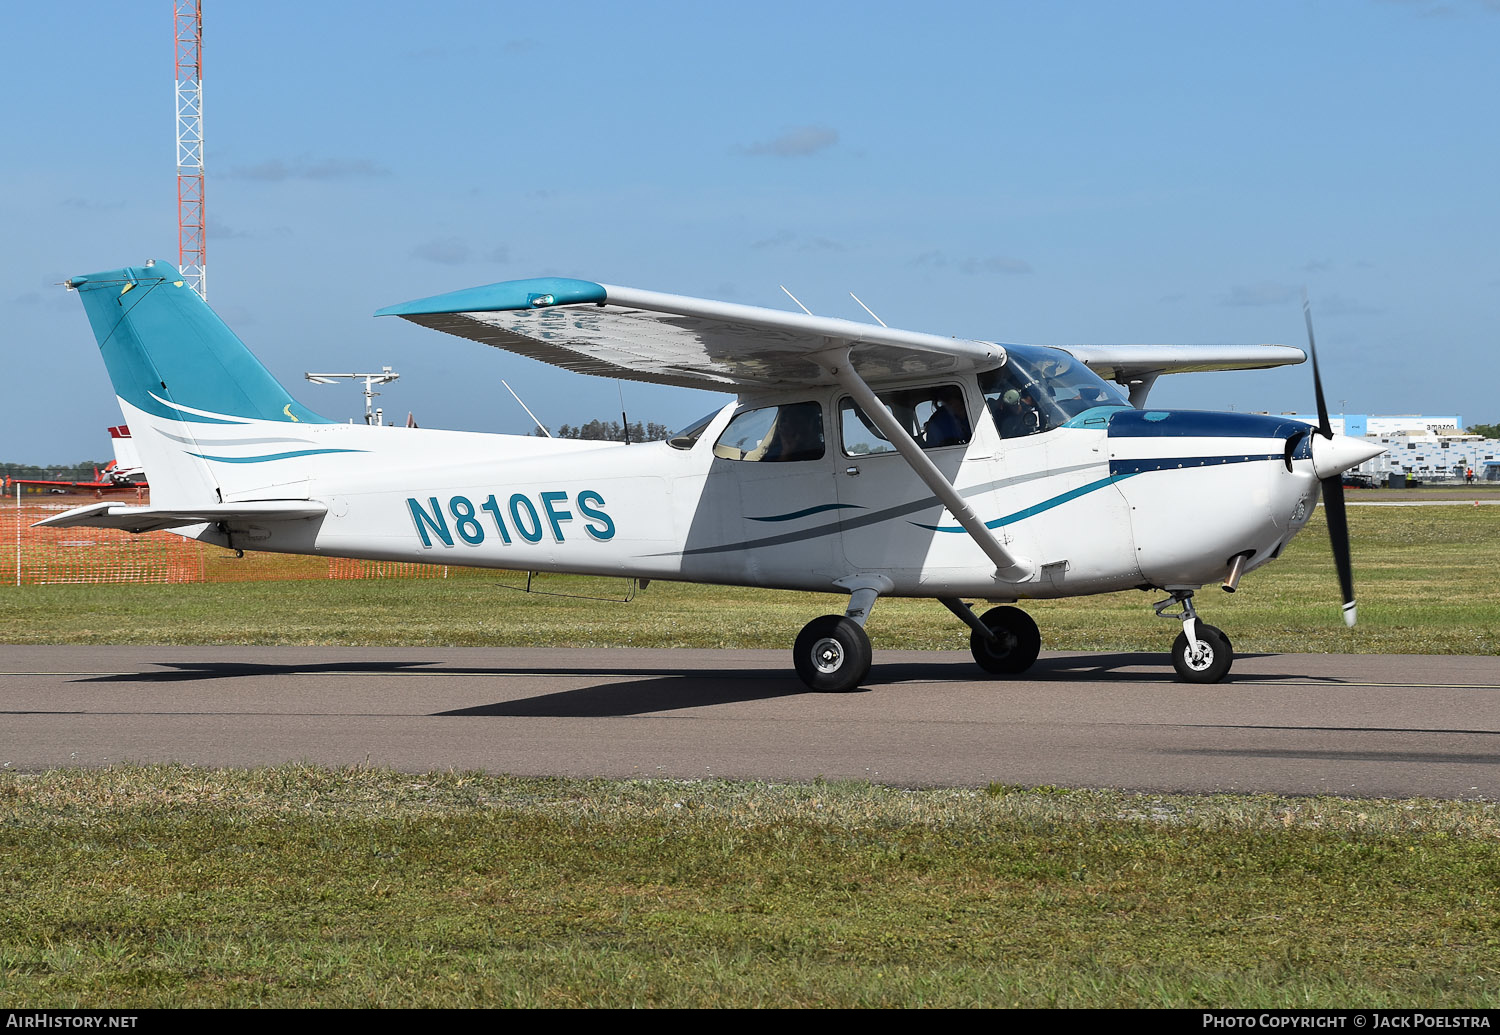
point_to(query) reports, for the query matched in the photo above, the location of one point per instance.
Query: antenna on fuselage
(868, 310)
(624, 420)
(794, 298)
(517, 398)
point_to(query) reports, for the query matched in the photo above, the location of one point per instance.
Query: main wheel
(1016, 645)
(832, 654)
(1212, 664)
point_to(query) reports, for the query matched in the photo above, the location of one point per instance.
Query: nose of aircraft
(1333, 456)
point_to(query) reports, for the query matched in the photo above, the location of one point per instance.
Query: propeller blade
(1338, 538)
(1324, 427)
(1333, 485)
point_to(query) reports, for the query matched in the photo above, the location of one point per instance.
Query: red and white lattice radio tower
(191, 240)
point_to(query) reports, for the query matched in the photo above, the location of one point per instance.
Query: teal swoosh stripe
(1032, 511)
(272, 456)
(809, 510)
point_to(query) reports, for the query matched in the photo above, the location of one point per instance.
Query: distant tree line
(79, 472)
(612, 431)
(1487, 430)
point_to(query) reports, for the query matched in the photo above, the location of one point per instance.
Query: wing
(1126, 363)
(675, 340)
(722, 346)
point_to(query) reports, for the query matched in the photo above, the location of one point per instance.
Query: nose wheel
(1201, 653)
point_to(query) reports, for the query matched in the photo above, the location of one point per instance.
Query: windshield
(688, 437)
(1042, 388)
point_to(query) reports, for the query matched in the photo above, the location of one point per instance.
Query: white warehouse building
(1430, 449)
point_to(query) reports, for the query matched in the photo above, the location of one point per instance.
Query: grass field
(1423, 575)
(300, 887)
(294, 886)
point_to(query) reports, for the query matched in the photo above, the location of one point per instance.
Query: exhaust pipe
(1236, 569)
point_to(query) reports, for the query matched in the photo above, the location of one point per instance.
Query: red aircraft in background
(122, 474)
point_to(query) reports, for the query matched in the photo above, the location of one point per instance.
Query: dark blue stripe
(805, 512)
(1122, 468)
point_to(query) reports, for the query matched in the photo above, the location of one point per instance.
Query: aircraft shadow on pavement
(682, 689)
(678, 691)
(1135, 666)
(172, 671)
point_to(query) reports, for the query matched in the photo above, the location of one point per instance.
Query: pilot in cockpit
(798, 435)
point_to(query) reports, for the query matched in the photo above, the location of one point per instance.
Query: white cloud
(1264, 293)
(447, 251)
(276, 171)
(798, 142)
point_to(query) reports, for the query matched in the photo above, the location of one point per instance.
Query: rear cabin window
(934, 416)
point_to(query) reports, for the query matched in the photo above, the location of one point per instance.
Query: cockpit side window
(774, 434)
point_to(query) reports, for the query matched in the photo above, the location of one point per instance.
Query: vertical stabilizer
(190, 391)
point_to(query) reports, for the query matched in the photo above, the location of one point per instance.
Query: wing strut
(1008, 566)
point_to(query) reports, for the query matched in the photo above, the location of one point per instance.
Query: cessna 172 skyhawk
(857, 459)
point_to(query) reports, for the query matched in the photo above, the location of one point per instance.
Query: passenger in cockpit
(948, 425)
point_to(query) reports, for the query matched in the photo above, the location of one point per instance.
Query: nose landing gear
(1201, 653)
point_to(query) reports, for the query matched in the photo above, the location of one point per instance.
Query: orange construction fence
(39, 556)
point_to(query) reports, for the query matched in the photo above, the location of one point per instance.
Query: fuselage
(1112, 499)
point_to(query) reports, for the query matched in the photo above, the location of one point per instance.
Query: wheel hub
(828, 655)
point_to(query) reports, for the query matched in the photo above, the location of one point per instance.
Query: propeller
(1333, 484)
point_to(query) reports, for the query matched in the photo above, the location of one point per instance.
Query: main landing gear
(832, 653)
(1004, 640)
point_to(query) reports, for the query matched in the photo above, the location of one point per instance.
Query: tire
(1018, 644)
(832, 654)
(1210, 668)
(1228, 643)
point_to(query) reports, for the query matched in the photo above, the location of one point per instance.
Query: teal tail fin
(184, 381)
(170, 355)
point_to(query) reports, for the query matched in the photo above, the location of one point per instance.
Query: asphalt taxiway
(1376, 725)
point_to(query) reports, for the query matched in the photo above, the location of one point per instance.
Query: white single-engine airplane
(857, 459)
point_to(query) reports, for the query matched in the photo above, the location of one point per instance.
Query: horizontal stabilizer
(151, 519)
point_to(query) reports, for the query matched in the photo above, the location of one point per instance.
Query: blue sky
(1092, 172)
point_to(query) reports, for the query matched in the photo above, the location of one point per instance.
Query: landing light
(537, 301)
